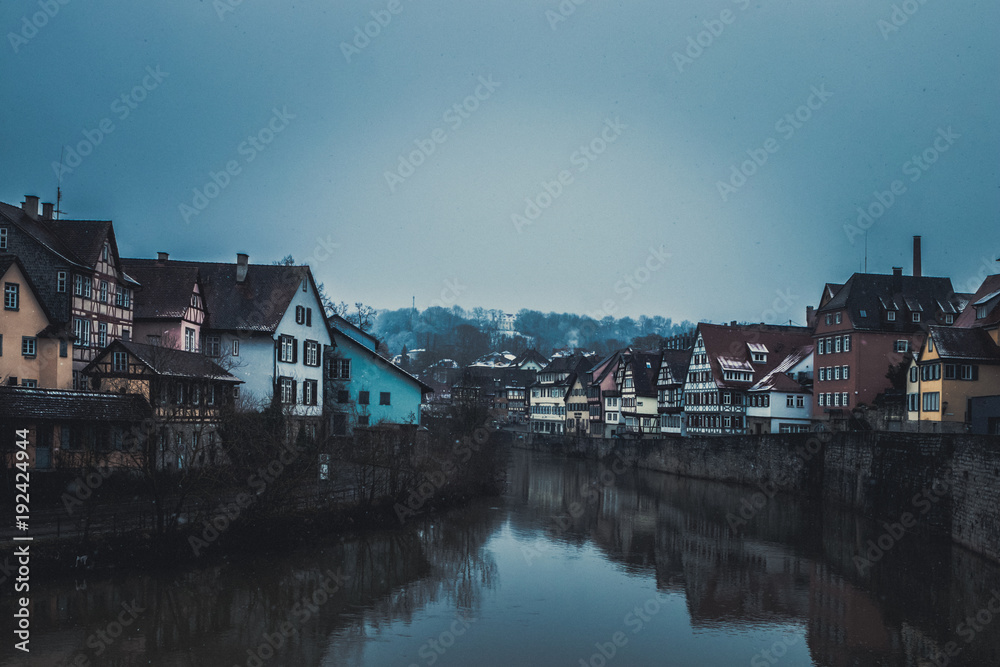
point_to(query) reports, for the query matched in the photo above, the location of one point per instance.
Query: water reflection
(548, 575)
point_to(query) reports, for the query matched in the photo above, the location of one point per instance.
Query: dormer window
(759, 358)
(915, 317)
(949, 319)
(864, 313)
(981, 312)
(890, 315)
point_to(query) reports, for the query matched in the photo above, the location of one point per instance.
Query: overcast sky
(623, 122)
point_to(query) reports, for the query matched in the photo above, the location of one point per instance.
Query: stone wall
(948, 484)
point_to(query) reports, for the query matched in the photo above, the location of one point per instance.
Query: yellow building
(34, 351)
(953, 366)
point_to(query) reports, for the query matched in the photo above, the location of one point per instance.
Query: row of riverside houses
(93, 344)
(889, 352)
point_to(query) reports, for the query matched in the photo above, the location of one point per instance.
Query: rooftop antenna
(866, 251)
(59, 185)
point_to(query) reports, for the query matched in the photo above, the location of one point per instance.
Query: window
(383, 398)
(902, 346)
(967, 372)
(213, 346)
(820, 399)
(915, 317)
(289, 349)
(949, 372)
(363, 397)
(837, 344)
(179, 393)
(981, 312)
(60, 281)
(126, 334)
(343, 369)
(119, 362)
(62, 347)
(914, 371)
(799, 402)
(190, 344)
(102, 334)
(932, 401)
(727, 422)
(836, 319)
(30, 384)
(236, 348)
(210, 395)
(311, 353)
(822, 374)
(3, 238)
(287, 387)
(196, 394)
(789, 401)
(829, 319)
(821, 348)
(912, 402)
(81, 329)
(343, 396)
(949, 319)
(759, 357)
(300, 315)
(836, 399)
(864, 313)
(843, 399)
(930, 344)
(29, 346)
(847, 343)
(891, 315)
(122, 296)
(11, 296)
(845, 372)
(104, 252)
(309, 392)
(103, 296)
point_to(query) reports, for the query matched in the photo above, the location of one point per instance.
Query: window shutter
(975, 373)
(309, 317)
(295, 351)
(295, 391)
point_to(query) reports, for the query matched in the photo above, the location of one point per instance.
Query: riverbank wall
(947, 484)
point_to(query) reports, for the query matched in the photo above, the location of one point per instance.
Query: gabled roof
(531, 354)
(677, 361)
(257, 304)
(645, 367)
(987, 291)
(778, 378)
(729, 344)
(7, 261)
(353, 331)
(166, 290)
(873, 293)
(167, 361)
(57, 404)
(385, 363)
(965, 344)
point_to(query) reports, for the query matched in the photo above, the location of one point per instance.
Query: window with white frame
(11, 296)
(311, 353)
(890, 315)
(288, 349)
(190, 342)
(103, 293)
(310, 391)
(847, 343)
(845, 372)
(789, 401)
(800, 401)
(81, 330)
(213, 346)
(29, 346)
(932, 401)
(912, 402)
(967, 372)
(236, 348)
(102, 334)
(843, 399)
(915, 317)
(61, 281)
(837, 344)
(287, 387)
(902, 346)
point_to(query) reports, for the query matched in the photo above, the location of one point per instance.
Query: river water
(576, 565)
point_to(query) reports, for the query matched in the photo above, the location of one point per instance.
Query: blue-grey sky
(623, 122)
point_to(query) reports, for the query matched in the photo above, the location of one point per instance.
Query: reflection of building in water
(846, 626)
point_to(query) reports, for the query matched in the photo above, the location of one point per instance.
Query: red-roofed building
(726, 362)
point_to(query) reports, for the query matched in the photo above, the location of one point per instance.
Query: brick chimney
(916, 257)
(897, 272)
(242, 264)
(162, 257)
(30, 206)
(46, 211)
(810, 316)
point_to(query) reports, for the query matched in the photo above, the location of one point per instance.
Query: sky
(697, 159)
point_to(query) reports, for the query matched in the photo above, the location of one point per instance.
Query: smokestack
(30, 206)
(162, 257)
(916, 257)
(242, 260)
(810, 316)
(46, 211)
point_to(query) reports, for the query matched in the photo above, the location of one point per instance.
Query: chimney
(916, 257)
(732, 323)
(46, 211)
(897, 272)
(162, 257)
(810, 316)
(241, 266)
(30, 206)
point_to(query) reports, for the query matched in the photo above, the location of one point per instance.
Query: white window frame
(61, 278)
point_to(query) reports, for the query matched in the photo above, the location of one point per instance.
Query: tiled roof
(168, 361)
(989, 289)
(645, 367)
(166, 290)
(678, 361)
(84, 237)
(779, 379)
(531, 354)
(965, 344)
(872, 293)
(732, 344)
(256, 304)
(55, 404)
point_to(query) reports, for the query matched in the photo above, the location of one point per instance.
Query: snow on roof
(757, 347)
(731, 364)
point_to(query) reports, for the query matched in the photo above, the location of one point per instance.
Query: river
(578, 564)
